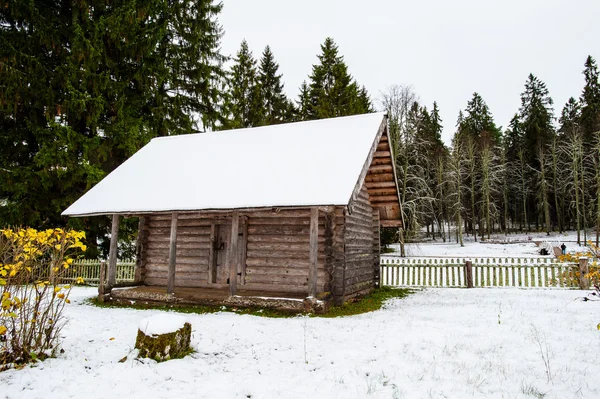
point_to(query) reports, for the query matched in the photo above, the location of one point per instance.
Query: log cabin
(283, 216)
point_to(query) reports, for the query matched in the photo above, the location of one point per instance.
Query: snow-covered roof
(294, 164)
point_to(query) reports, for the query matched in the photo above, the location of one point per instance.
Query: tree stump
(164, 337)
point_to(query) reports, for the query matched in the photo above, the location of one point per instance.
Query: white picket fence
(487, 272)
(89, 270)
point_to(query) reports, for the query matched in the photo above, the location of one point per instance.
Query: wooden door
(221, 249)
(220, 253)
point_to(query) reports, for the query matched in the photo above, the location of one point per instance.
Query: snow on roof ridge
(255, 128)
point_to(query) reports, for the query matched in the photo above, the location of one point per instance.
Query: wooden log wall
(278, 251)
(359, 247)
(193, 244)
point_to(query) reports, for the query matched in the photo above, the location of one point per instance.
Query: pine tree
(275, 105)
(244, 98)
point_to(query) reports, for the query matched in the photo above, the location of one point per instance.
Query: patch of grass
(368, 303)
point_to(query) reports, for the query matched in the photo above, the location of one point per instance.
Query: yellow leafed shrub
(32, 265)
(593, 254)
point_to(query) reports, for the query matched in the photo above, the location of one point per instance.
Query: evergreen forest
(84, 85)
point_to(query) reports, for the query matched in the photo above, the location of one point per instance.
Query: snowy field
(437, 343)
(516, 245)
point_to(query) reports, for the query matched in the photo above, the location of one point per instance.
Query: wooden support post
(112, 253)
(313, 252)
(233, 253)
(172, 254)
(102, 282)
(469, 274)
(140, 251)
(211, 255)
(584, 270)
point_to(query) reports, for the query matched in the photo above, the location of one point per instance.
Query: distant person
(564, 248)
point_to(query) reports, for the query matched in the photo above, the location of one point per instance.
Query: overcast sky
(445, 49)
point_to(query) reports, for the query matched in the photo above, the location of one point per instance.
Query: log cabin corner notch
(277, 214)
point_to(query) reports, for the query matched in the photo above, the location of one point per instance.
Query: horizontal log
(197, 261)
(381, 161)
(383, 146)
(283, 221)
(362, 232)
(364, 273)
(270, 253)
(195, 215)
(376, 200)
(183, 230)
(283, 262)
(378, 169)
(286, 281)
(291, 213)
(181, 252)
(180, 223)
(360, 219)
(281, 230)
(363, 278)
(282, 239)
(274, 271)
(181, 274)
(384, 184)
(180, 245)
(391, 223)
(375, 192)
(384, 137)
(200, 241)
(381, 154)
(380, 177)
(159, 281)
(296, 247)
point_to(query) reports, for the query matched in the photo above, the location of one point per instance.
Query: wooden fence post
(469, 274)
(102, 282)
(584, 269)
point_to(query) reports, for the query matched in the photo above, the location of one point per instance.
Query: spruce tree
(536, 117)
(333, 91)
(244, 99)
(590, 100)
(274, 103)
(303, 103)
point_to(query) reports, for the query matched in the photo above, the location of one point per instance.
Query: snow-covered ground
(515, 245)
(436, 343)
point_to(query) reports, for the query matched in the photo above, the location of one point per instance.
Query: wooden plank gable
(379, 178)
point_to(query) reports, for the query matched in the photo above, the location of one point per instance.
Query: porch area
(295, 302)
